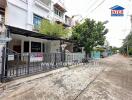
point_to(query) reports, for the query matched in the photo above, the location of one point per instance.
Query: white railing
(77, 57)
(43, 5)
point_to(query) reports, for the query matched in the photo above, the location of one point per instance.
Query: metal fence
(17, 65)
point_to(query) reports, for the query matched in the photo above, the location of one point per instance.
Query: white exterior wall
(17, 38)
(16, 13)
(20, 13)
(50, 46)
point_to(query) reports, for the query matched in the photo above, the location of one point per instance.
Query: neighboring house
(23, 18)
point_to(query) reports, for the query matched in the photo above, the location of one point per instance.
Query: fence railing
(17, 64)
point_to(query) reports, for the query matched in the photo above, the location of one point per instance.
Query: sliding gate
(17, 65)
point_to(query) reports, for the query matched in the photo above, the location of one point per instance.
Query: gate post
(17, 65)
(55, 60)
(3, 64)
(28, 65)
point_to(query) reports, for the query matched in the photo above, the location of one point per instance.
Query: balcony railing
(68, 23)
(45, 2)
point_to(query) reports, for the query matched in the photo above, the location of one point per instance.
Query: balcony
(67, 20)
(45, 4)
(57, 18)
(60, 20)
(60, 6)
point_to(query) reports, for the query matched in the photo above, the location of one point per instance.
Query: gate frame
(3, 67)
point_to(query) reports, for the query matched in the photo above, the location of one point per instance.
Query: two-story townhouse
(23, 17)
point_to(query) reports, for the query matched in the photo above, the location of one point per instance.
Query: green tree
(89, 34)
(115, 49)
(127, 43)
(53, 29)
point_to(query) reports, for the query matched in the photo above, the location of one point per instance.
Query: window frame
(37, 21)
(35, 45)
(58, 12)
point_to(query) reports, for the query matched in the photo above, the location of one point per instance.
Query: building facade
(26, 15)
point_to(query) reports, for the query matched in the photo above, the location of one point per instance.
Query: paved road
(111, 79)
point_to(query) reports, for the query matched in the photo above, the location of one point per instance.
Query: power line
(91, 5)
(95, 8)
(98, 6)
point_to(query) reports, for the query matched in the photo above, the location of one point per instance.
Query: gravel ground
(111, 79)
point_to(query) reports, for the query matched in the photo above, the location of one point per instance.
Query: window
(37, 21)
(57, 12)
(43, 47)
(26, 46)
(35, 47)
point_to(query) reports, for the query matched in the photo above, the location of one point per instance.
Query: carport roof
(28, 33)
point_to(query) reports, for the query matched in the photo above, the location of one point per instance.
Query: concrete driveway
(111, 79)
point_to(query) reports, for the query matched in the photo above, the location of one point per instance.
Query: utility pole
(127, 49)
(127, 39)
(131, 22)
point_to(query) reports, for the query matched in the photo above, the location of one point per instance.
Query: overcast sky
(118, 27)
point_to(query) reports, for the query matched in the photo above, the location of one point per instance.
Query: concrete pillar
(1, 48)
(131, 23)
(41, 46)
(29, 46)
(22, 46)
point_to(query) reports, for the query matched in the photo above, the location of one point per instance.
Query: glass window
(26, 46)
(61, 14)
(37, 21)
(55, 11)
(35, 47)
(43, 47)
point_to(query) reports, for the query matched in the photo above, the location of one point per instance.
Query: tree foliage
(127, 42)
(53, 29)
(89, 34)
(115, 49)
